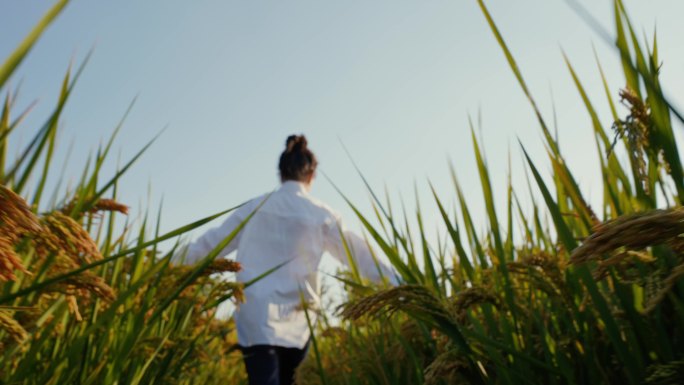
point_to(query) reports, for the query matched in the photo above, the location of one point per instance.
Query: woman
(292, 229)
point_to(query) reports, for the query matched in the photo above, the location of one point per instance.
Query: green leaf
(16, 57)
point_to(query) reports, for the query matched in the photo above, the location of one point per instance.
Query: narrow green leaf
(16, 57)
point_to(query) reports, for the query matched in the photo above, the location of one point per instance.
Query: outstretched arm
(203, 245)
(368, 266)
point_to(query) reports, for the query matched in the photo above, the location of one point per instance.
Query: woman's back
(285, 234)
(289, 228)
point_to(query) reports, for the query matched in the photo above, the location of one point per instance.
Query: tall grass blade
(16, 57)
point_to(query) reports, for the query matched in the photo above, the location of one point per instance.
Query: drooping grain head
(466, 299)
(445, 368)
(632, 232)
(408, 298)
(668, 373)
(100, 205)
(16, 220)
(666, 286)
(62, 233)
(237, 289)
(12, 327)
(222, 265)
(9, 260)
(16, 216)
(86, 283)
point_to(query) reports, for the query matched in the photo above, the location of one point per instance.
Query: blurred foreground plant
(591, 298)
(84, 301)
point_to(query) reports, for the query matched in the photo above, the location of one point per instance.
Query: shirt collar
(294, 187)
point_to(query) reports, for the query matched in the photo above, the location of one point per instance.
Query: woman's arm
(203, 245)
(368, 266)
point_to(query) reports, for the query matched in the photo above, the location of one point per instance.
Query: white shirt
(289, 226)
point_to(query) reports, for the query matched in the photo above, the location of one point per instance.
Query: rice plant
(594, 295)
(84, 298)
(595, 298)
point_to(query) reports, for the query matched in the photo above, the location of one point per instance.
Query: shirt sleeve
(203, 245)
(359, 249)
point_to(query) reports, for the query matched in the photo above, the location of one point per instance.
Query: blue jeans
(272, 365)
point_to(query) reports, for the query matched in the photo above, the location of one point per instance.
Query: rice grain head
(671, 373)
(85, 283)
(12, 327)
(445, 369)
(16, 216)
(408, 298)
(667, 286)
(63, 233)
(633, 232)
(100, 205)
(222, 265)
(16, 220)
(9, 260)
(466, 299)
(637, 127)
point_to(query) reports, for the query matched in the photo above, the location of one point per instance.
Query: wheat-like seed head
(103, 204)
(236, 288)
(637, 127)
(465, 299)
(635, 232)
(9, 260)
(667, 285)
(445, 366)
(16, 220)
(409, 298)
(16, 216)
(86, 282)
(73, 307)
(63, 233)
(665, 374)
(12, 327)
(222, 265)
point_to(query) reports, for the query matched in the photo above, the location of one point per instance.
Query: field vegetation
(583, 294)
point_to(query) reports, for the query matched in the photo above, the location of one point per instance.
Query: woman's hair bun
(295, 143)
(297, 162)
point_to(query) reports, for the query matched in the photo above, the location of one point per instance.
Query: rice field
(585, 295)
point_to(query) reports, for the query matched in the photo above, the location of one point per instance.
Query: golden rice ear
(637, 127)
(63, 233)
(445, 366)
(9, 261)
(222, 265)
(409, 298)
(12, 327)
(465, 299)
(100, 205)
(668, 284)
(73, 307)
(633, 232)
(110, 205)
(16, 220)
(16, 216)
(90, 283)
(667, 373)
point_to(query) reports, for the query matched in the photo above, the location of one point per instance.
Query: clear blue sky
(394, 80)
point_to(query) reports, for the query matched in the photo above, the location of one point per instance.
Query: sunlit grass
(583, 295)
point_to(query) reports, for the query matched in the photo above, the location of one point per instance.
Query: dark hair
(297, 162)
